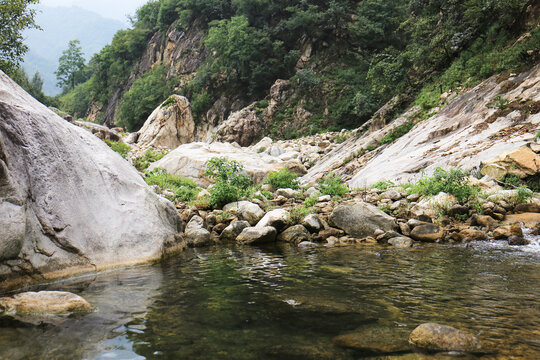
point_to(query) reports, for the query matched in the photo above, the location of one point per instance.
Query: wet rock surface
(435, 337)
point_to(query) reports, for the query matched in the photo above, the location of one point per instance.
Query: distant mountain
(60, 25)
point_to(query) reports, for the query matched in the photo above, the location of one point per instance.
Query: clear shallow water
(288, 303)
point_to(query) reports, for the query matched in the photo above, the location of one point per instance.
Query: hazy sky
(114, 9)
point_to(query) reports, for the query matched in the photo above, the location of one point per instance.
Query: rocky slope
(68, 204)
(498, 115)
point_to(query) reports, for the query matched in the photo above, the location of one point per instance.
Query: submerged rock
(436, 337)
(44, 303)
(375, 340)
(361, 219)
(68, 203)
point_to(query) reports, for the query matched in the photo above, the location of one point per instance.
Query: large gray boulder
(189, 160)
(68, 203)
(257, 235)
(361, 219)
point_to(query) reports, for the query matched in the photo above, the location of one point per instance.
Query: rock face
(294, 234)
(278, 219)
(169, 126)
(233, 230)
(68, 203)
(44, 303)
(189, 160)
(361, 219)
(521, 162)
(435, 337)
(243, 127)
(463, 133)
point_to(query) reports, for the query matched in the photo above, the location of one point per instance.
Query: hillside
(60, 25)
(342, 61)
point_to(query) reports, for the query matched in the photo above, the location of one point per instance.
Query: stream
(283, 302)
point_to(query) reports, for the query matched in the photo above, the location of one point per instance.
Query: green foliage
(333, 185)
(230, 183)
(512, 180)
(143, 97)
(77, 101)
(120, 147)
(200, 104)
(298, 213)
(283, 179)
(537, 136)
(524, 195)
(267, 194)
(15, 17)
(71, 66)
(243, 54)
(499, 103)
(184, 189)
(382, 185)
(397, 132)
(311, 201)
(454, 182)
(142, 163)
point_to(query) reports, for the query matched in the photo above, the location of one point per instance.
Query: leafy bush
(512, 180)
(454, 182)
(230, 183)
(298, 213)
(382, 185)
(283, 179)
(267, 194)
(143, 97)
(397, 132)
(143, 162)
(119, 147)
(184, 189)
(333, 185)
(523, 194)
(311, 201)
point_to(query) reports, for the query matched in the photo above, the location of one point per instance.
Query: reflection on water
(288, 303)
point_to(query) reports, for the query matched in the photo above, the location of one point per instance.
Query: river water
(283, 302)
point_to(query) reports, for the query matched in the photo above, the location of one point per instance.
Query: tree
(70, 66)
(15, 16)
(37, 82)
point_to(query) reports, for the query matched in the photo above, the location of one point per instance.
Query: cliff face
(182, 53)
(498, 115)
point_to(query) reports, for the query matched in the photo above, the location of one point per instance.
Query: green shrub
(311, 201)
(454, 182)
(146, 93)
(523, 195)
(231, 184)
(397, 132)
(119, 147)
(267, 194)
(298, 214)
(382, 185)
(512, 181)
(184, 189)
(332, 185)
(143, 162)
(282, 179)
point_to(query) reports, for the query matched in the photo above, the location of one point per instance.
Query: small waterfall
(534, 239)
